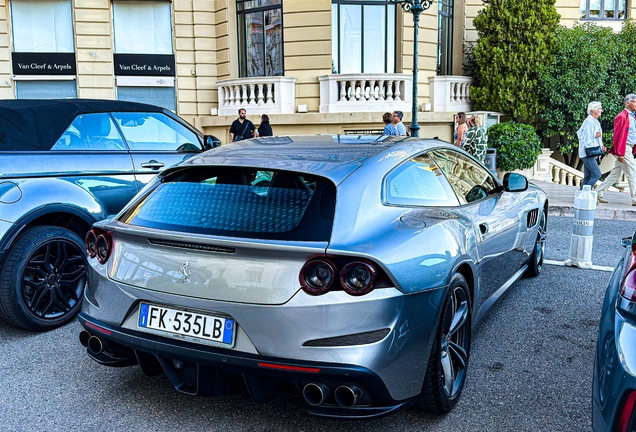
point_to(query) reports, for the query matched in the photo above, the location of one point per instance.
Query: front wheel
(448, 362)
(538, 253)
(43, 278)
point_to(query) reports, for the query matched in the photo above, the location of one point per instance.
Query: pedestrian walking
(591, 144)
(397, 123)
(389, 129)
(623, 149)
(242, 128)
(462, 128)
(264, 129)
(476, 141)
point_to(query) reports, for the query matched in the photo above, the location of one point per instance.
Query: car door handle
(483, 228)
(152, 164)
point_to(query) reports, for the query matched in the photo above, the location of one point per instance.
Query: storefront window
(144, 59)
(43, 55)
(363, 35)
(260, 33)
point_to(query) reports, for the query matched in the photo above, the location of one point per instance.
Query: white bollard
(583, 231)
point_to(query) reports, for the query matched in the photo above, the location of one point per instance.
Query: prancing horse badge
(185, 272)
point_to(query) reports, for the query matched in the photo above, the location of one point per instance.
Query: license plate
(191, 325)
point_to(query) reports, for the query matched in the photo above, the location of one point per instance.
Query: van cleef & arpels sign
(43, 63)
(144, 64)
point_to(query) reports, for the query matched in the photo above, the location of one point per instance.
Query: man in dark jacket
(242, 128)
(623, 149)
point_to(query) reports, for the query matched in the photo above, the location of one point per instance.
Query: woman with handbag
(591, 144)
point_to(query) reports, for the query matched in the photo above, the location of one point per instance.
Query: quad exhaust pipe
(347, 396)
(95, 345)
(315, 394)
(92, 343)
(84, 336)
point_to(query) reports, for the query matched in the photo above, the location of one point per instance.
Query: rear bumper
(201, 370)
(306, 328)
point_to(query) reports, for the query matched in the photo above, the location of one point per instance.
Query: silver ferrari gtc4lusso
(350, 270)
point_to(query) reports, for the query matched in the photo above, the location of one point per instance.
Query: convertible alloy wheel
(536, 260)
(448, 363)
(43, 279)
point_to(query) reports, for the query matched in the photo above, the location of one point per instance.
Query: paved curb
(601, 212)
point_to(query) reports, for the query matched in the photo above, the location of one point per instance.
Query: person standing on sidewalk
(591, 136)
(265, 129)
(389, 129)
(242, 128)
(623, 149)
(397, 123)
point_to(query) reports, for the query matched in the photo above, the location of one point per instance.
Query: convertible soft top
(36, 124)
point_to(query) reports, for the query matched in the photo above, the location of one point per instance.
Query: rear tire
(448, 362)
(42, 279)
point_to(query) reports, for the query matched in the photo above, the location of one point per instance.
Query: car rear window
(240, 202)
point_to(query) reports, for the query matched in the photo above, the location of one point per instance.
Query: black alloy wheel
(448, 362)
(43, 279)
(535, 265)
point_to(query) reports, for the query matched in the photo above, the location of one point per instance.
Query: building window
(144, 58)
(43, 57)
(363, 39)
(445, 37)
(45, 89)
(260, 34)
(603, 9)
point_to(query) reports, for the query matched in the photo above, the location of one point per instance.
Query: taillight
(103, 245)
(627, 417)
(91, 243)
(628, 287)
(317, 276)
(357, 278)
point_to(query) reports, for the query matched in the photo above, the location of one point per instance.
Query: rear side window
(240, 202)
(418, 182)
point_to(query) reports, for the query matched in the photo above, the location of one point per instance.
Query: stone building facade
(302, 62)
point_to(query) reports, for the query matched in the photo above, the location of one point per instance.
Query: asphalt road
(530, 370)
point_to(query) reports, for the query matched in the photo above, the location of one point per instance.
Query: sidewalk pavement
(561, 202)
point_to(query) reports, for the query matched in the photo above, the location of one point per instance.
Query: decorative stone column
(541, 170)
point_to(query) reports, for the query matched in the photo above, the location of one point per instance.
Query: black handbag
(593, 151)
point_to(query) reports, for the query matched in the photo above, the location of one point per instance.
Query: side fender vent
(533, 216)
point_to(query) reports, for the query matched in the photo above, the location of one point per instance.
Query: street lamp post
(416, 7)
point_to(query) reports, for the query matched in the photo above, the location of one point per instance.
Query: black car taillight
(91, 243)
(103, 245)
(317, 276)
(358, 278)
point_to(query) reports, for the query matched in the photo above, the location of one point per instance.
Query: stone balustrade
(365, 92)
(565, 174)
(262, 95)
(451, 93)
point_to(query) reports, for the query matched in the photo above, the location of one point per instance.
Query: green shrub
(516, 38)
(517, 144)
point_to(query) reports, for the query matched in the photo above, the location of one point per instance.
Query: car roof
(36, 124)
(331, 156)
